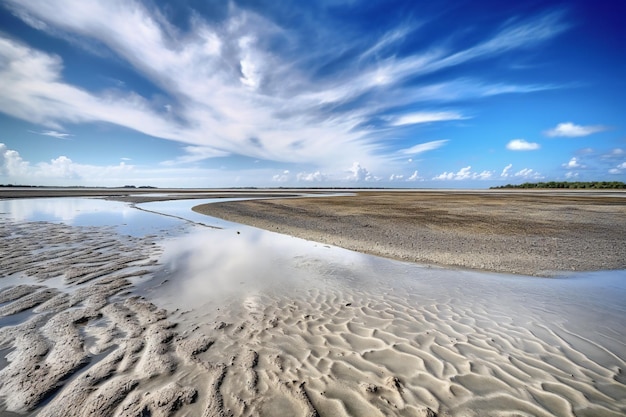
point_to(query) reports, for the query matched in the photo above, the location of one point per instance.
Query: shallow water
(87, 212)
(213, 262)
(182, 209)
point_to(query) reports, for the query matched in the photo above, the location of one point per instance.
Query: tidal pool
(87, 212)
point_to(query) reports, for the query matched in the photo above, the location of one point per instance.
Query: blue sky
(214, 93)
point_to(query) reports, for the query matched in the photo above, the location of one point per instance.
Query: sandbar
(530, 233)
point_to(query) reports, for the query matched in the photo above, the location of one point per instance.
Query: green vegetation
(592, 185)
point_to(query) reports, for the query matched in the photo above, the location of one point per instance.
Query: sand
(530, 233)
(239, 322)
(138, 195)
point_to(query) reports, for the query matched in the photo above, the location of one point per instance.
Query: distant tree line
(597, 185)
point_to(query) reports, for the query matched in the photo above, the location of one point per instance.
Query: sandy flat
(137, 195)
(532, 233)
(241, 322)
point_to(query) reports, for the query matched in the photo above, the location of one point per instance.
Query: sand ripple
(78, 341)
(351, 357)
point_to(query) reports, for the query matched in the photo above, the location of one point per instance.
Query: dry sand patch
(522, 232)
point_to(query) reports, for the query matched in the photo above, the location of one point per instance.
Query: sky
(327, 93)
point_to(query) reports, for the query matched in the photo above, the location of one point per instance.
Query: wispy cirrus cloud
(424, 147)
(53, 133)
(34, 91)
(389, 39)
(196, 153)
(513, 36)
(571, 130)
(232, 93)
(426, 117)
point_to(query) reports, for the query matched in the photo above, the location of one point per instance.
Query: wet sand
(530, 233)
(241, 323)
(139, 195)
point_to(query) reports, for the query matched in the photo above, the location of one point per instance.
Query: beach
(181, 317)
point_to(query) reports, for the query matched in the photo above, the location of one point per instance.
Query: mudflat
(523, 232)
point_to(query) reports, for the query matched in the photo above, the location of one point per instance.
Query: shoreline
(528, 233)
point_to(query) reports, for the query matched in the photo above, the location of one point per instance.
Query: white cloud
(505, 171)
(53, 133)
(615, 153)
(425, 117)
(528, 173)
(512, 36)
(285, 176)
(465, 174)
(388, 39)
(251, 64)
(208, 100)
(360, 174)
(316, 176)
(61, 170)
(571, 175)
(573, 164)
(227, 86)
(61, 167)
(403, 178)
(571, 130)
(618, 169)
(12, 165)
(197, 153)
(424, 147)
(33, 91)
(522, 145)
(414, 177)
(497, 89)
(445, 176)
(30, 20)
